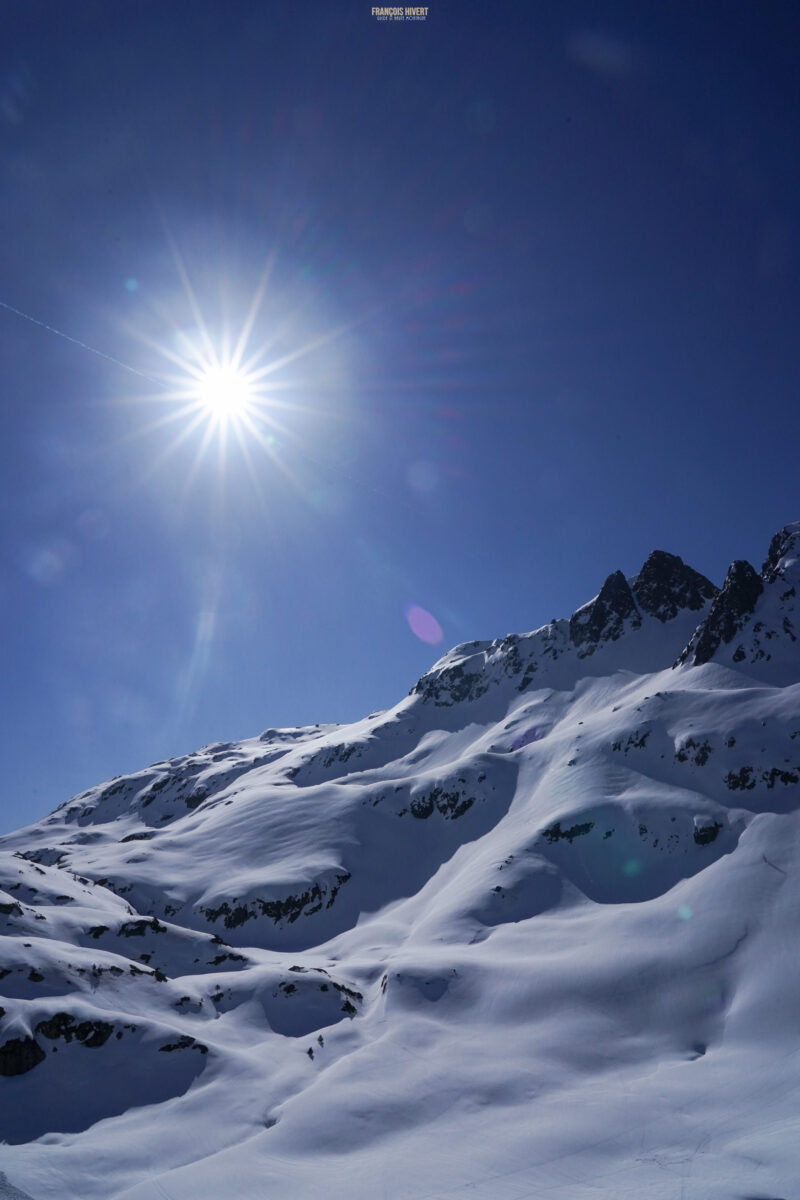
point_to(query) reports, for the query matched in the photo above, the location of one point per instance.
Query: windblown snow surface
(530, 933)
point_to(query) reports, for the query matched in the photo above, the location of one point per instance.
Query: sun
(225, 392)
(228, 399)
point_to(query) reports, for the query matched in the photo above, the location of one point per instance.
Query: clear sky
(529, 310)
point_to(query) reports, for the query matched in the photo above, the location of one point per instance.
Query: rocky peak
(730, 610)
(665, 592)
(665, 586)
(754, 622)
(783, 554)
(604, 618)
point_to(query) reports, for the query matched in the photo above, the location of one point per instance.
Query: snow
(528, 933)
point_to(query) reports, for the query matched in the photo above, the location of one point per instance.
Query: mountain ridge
(571, 851)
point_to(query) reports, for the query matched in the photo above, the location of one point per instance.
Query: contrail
(67, 338)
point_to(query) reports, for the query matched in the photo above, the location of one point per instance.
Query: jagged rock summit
(754, 620)
(639, 624)
(665, 586)
(524, 933)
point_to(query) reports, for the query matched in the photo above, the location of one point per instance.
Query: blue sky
(531, 312)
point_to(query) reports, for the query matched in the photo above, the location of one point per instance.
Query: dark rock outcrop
(451, 686)
(782, 544)
(730, 610)
(603, 619)
(306, 904)
(63, 1025)
(20, 1055)
(665, 586)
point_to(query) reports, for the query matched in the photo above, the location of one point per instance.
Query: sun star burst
(223, 392)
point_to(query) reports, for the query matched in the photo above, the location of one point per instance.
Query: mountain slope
(526, 933)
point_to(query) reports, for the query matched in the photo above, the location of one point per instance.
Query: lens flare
(424, 625)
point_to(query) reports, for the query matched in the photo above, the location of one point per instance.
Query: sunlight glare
(224, 392)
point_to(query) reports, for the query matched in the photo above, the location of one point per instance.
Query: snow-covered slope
(528, 933)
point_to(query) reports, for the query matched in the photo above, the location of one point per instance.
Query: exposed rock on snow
(754, 621)
(606, 617)
(665, 585)
(731, 610)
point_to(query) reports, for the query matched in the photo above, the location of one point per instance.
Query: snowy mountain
(531, 932)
